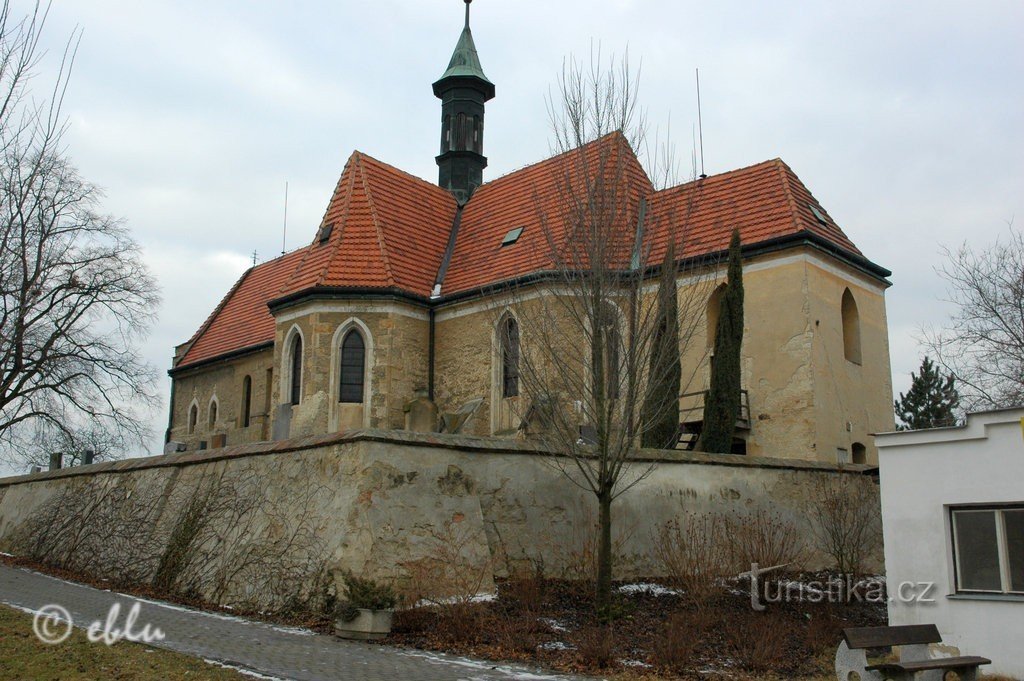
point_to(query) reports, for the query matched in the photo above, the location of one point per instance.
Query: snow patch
(493, 671)
(635, 663)
(652, 589)
(553, 624)
(556, 645)
(243, 671)
(453, 600)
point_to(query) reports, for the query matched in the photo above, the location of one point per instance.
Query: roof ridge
(723, 174)
(794, 212)
(436, 188)
(550, 159)
(343, 220)
(381, 240)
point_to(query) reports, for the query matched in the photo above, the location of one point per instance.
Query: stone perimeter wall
(388, 496)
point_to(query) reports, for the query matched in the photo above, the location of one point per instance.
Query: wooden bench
(915, 660)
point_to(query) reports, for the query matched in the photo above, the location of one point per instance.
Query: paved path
(277, 652)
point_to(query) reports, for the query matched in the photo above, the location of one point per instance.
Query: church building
(392, 304)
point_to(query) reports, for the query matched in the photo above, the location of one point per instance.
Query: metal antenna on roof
(254, 257)
(284, 236)
(700, 129)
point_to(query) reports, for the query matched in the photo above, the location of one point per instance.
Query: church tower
(463, 90)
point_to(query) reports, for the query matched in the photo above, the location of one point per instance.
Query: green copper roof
(465, 61)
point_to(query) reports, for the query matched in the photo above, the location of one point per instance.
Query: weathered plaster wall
(223, 381)
(852, 401)
(387, 496)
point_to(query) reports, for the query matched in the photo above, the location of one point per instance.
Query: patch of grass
(23, 656)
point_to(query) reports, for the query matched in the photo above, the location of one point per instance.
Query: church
(388, 313)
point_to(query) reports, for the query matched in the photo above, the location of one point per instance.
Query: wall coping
(480, 445)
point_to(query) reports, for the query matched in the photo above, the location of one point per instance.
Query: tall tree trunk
(604, 551)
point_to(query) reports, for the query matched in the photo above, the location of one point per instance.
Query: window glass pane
(1015, 547)
(353, 362)
(977, 550)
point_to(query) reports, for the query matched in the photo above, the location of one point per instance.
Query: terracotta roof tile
(242, 319)
(390, 231)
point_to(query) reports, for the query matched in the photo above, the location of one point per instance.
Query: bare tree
(590, 328)
(982, 346)
(75, 295)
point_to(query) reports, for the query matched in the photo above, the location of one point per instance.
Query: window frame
(341, 367)
(509, 357)
(1002, 549)
(295, 362)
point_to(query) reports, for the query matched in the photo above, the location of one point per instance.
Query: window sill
(1012, 598)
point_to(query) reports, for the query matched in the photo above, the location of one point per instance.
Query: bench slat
(924, 665)
(883, 637)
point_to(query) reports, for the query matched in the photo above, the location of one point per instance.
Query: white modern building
(953, 516)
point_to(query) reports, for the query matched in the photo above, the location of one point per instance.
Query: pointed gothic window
(246, 400)
(295, 392)
(353, 367)
(611, 343)
(851, 328)
(193, 416)
(213, 415)
(509, 357)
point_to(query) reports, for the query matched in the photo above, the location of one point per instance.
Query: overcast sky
(903, 118)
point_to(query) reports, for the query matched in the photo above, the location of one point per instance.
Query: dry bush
(683, 635)
(694, 553)
(450, 571)
(824, 631)
(845, 521)
(764, 537)
(596, 647)
(516, 634)
(761, 643)
(527, 591)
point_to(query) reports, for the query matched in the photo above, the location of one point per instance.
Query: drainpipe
(430, 359)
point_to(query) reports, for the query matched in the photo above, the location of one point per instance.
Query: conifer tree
(931, 402)
(661, 404)
(723, 400)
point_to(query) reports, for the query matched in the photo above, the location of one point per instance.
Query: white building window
(988, 549)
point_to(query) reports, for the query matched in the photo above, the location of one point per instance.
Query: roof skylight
(512, 236)
(818, 215)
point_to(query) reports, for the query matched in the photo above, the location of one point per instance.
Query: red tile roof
(242, 319)
(390, 232)
(764, 201)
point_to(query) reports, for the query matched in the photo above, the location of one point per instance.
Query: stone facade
(804, 395)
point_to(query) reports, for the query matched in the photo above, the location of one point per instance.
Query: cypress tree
(931, 402)
(661, 404)
(722, 405)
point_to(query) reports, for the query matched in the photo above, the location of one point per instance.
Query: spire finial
(467, 12)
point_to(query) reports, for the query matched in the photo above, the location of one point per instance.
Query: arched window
(851, 328)
(353, 367)
(193, 417)
(212, 418)
(859, 452)
(295, 389)
(608, 328)
(713, 313)
(246, 400)
(509, 357)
